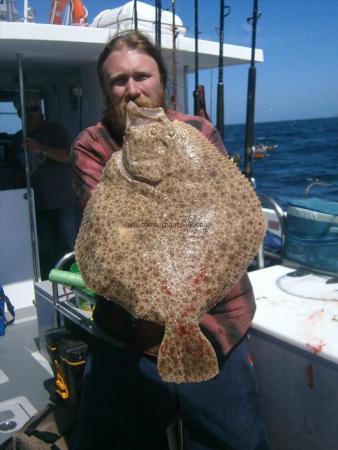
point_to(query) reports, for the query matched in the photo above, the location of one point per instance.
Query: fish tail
(186, 355)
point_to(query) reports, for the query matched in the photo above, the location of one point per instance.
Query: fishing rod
(250, 107)
(158, 12)
(196, 94)
(224, 12)
(135, 14)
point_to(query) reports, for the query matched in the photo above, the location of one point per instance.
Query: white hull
(294, 344)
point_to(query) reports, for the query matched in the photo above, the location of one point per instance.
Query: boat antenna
(158, 12)
(196, 94)
(174, 96)
(135, 14)
(224, 12)
(250, 106)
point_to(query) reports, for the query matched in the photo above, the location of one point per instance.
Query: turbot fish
(168, 231)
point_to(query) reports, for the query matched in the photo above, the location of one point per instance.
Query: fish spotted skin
(169, 230)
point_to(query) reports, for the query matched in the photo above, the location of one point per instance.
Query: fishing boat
(261, 150)
(295, 328)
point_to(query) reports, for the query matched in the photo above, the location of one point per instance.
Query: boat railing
(314, 182)
(60, 264)
(281, 216)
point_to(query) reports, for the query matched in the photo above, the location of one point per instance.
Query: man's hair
(132, 40)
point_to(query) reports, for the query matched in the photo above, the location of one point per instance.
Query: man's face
(130, 75)
(33, 117)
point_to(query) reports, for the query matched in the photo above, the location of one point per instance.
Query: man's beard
(115, 115)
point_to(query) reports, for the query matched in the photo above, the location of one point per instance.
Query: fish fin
(186, 355)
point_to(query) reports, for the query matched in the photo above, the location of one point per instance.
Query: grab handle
(67, 278)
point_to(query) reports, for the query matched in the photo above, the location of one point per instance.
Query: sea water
(306, 150)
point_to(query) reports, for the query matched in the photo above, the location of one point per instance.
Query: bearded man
(125, 404)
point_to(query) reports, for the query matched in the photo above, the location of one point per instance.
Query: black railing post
(158, 14)
(135, 14)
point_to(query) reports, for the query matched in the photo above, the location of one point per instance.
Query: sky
(299, 76)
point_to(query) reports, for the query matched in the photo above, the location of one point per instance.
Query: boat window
(10, 124)
(9, 120)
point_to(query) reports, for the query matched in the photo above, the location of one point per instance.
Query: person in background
(57, 215)
(125, 405)
(5, 302)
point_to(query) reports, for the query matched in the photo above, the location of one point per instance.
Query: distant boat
(261, 150)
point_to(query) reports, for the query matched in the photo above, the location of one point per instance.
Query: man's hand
(58, 154)
(33, 146)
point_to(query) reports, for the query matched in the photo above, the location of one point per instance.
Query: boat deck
(25, 375)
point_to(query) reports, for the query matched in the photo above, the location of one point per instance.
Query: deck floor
(25, 375)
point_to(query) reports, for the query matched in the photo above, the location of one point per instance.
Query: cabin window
(10, 123)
